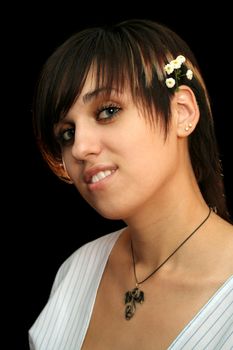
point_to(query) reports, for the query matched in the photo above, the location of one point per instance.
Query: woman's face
(116, 160)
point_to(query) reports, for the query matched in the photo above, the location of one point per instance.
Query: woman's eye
(107, 113)
(67, 135)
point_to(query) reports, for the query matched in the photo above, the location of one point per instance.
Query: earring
(188, 127)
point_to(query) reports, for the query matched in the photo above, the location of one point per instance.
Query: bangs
(122, 57)
(118, 63)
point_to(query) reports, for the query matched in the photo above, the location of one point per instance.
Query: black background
(47, 218)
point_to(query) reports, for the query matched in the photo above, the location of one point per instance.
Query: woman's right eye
(66, 136)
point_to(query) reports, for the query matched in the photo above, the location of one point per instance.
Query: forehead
(96, 86)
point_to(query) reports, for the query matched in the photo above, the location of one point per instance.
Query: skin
(114, 144)
(152, 188)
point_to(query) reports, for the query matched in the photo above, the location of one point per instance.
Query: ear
(185, 110)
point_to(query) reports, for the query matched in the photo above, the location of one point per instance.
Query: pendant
(131, 298)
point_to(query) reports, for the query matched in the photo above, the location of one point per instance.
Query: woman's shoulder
(87, 258)
(220, 246)
(98, 246)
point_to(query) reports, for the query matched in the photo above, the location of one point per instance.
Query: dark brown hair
(133, 52)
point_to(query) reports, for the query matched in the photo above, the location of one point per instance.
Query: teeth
(101, 175)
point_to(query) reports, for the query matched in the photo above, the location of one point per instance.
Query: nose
(86, 144)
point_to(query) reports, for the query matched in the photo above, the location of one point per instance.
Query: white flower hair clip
(174, 67)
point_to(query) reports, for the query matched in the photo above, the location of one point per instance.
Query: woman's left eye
(106, 113)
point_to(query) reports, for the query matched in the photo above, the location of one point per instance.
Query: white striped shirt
(63, 323)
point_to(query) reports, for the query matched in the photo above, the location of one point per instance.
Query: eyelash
(105, 108)
(115, 109)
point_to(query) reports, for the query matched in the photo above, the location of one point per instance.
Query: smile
(101, 175)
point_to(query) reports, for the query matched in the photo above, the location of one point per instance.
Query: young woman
(122, 112)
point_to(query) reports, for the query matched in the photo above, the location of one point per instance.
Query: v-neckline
(204, 309)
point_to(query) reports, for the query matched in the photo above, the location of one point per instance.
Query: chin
(110, 214)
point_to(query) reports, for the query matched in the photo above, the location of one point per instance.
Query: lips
(97, 173)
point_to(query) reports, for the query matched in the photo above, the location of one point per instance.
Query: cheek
(156, 160)
(71, 166)
(66, 162)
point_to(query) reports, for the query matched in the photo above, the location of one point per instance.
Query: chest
(167, 309)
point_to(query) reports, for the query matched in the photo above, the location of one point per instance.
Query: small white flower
(181, 58)
(176, 63)
(169, 68)
(170, 82)
(189, 74)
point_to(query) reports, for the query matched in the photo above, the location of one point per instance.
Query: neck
(136, 295)
(154, 241)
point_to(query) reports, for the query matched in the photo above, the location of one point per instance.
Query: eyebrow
(93, 94)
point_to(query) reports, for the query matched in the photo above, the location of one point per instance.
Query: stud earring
(188, 127)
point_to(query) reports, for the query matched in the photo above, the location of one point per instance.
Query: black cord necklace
(136, 295)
